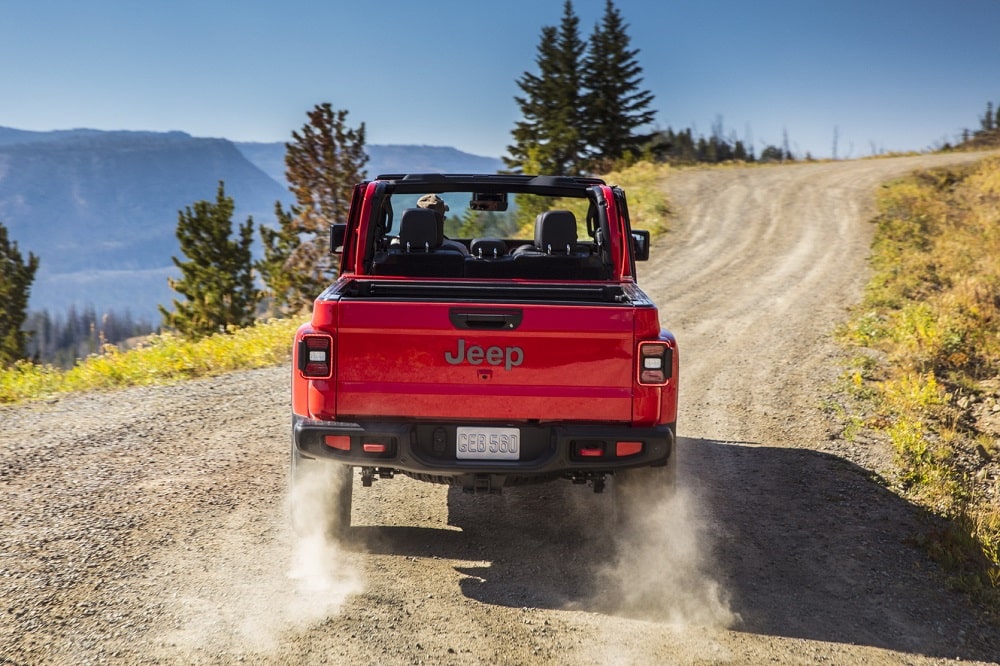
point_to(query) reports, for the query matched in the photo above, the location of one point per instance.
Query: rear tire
(320, 495)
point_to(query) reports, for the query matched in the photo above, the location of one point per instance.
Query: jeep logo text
(508, 357)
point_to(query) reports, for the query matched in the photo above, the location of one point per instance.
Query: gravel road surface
(148, 526)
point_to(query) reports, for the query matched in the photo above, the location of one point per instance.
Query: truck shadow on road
(774, 541)
(812, 546)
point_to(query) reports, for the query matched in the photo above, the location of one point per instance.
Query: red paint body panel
(392, 361)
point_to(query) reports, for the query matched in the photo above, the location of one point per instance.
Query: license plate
(488, 444)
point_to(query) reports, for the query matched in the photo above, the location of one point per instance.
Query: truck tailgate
(571, 362)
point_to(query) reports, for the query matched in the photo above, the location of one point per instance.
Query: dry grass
(932, 312)
(160, 359)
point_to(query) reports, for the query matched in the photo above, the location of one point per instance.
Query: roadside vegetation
(928, 378)
(648, 206)
(160, 359)
(987, 136)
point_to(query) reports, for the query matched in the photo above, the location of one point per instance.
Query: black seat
(418, 250)
(419, 231)
(489, 259)
(555, 234)
(555, 254)
(488, 248)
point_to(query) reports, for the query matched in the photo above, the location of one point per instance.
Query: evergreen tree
(549, 139)
(323, 163)
(283, 282)
(773, 153)
(217, 278)
(740, 152)
(682, 148)
(615, 107)
(16, 276)
(486, 224)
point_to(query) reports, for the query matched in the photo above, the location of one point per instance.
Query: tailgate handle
(485, 320)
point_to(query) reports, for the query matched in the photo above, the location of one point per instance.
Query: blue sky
(882, 74)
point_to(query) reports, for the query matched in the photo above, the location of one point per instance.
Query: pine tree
(323, 163)
(283, 282)
(615, 107)
(217, 278)
(582, 110)
(740, 152)
(549, 137)
(16, 276)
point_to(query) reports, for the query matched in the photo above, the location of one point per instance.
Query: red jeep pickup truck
(486, 361)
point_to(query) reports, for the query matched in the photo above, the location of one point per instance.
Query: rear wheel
(320, 495)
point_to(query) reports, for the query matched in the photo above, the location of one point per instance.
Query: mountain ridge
(100, 208)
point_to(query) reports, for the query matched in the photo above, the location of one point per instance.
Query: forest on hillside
(61, 339)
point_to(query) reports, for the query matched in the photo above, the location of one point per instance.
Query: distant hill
(382, 159)
(111, 200)
(100, 208)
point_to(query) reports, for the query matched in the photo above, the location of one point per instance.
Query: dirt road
(148, 526)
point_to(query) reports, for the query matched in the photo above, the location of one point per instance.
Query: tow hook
(368, 475)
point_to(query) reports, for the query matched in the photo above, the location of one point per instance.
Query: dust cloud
(663, 567)
(254, 594)
(321, 569)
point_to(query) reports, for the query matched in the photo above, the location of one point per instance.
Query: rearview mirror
(640, 244)
(492, 201)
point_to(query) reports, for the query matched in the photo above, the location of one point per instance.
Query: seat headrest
(555, 232)
(419, 230)
(488, 248)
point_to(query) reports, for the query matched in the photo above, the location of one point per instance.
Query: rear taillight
(316, 356)
(655, 362)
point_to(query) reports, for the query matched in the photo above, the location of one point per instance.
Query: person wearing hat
(437, 204)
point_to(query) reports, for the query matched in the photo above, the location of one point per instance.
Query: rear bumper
(428, 450)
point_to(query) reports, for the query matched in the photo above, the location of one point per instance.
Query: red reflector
(339, 442)
(624, 449)
(592, 451)
(652, 377)
(317, 370)
(373, 447)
